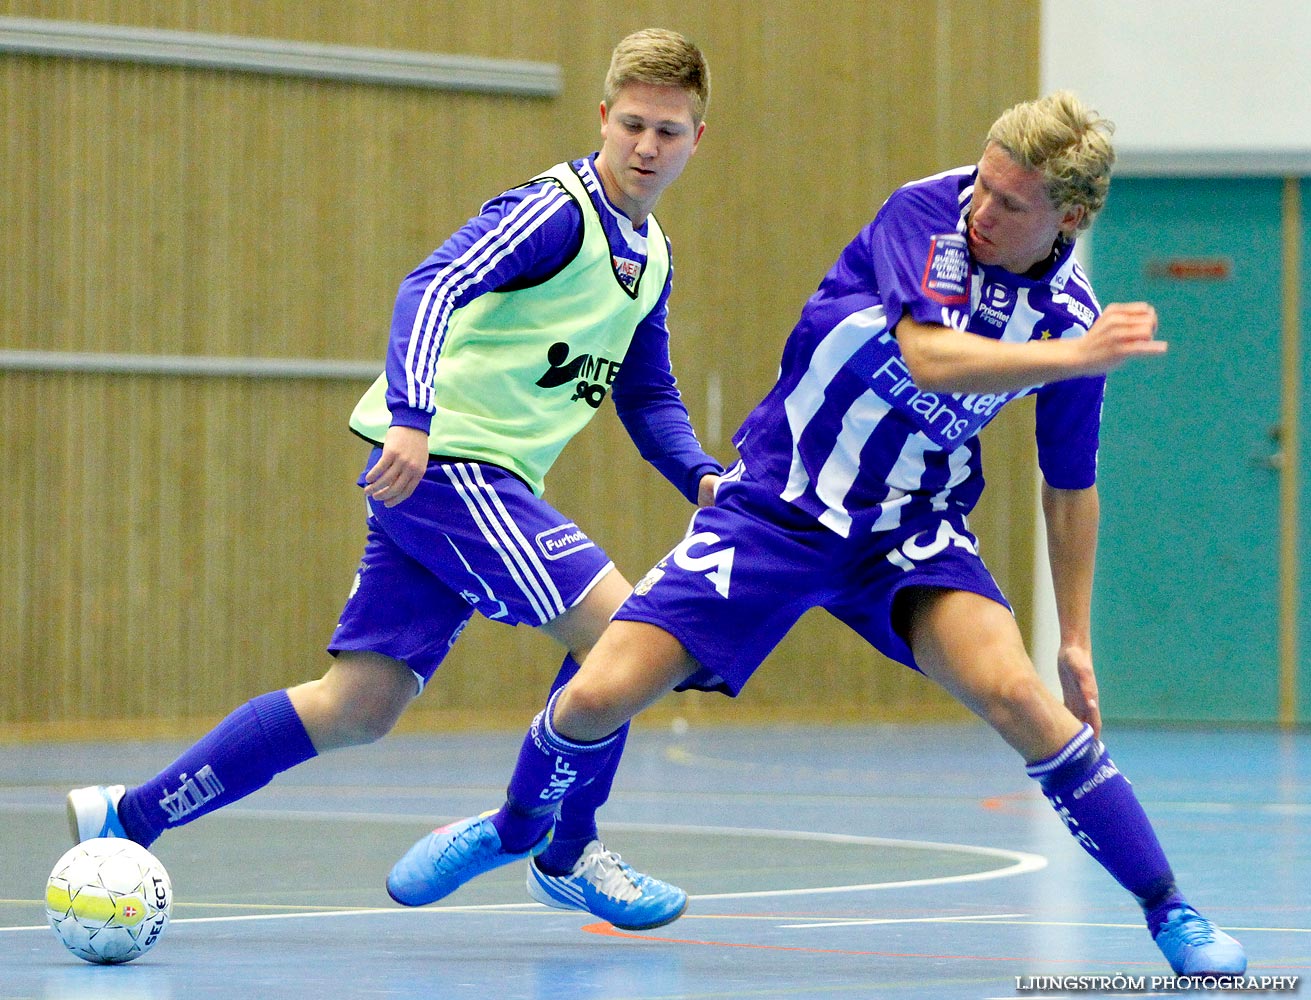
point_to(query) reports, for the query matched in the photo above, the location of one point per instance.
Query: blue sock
(575, 826)
(1101, 810)
(549, 768)
(240, 755)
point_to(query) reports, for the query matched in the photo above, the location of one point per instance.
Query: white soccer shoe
(93, 812)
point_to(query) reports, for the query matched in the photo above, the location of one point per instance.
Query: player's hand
(705, 494)
(1124, 330)
(1079, 685)
(402, 465)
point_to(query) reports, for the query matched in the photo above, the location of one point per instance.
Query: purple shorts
(753, 564)
(472, 537)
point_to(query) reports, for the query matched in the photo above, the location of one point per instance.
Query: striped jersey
(447, 370)
(847, 436)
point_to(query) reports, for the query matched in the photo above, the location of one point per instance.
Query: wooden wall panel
(178, 541)
(179, 544)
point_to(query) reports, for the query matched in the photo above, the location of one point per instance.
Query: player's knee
(370, 724)
(373, 715)
(1015, 701)
(587, 712)
(359, 700)
(339, 718)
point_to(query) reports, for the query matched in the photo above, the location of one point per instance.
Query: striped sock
(575, 826)
(1098, 805)
(550, 767)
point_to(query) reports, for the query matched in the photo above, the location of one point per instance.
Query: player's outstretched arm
(1125, 330)
(943, 359)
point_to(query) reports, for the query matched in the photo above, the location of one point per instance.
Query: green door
(1302, 668)
(1185, 607)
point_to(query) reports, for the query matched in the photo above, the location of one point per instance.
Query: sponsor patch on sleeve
(947, 271)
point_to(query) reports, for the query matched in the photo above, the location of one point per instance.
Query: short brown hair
(664, 58)
(1067, 142)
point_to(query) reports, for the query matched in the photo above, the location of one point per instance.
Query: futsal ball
(109, 900)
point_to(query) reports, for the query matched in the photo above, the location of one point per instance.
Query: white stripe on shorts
(504, 536)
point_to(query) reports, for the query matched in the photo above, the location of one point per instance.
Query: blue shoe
(603, 885)
(450, 856)
(1196, 947)
(93, 812)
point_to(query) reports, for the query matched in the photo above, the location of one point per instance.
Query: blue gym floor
(850, 862)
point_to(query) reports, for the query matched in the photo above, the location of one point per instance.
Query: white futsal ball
(109, 900)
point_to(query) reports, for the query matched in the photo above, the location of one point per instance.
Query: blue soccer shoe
(1196, 947)
(603, 885)
(450, 856)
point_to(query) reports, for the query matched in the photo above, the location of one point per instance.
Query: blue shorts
(472, 537)
(752, 564)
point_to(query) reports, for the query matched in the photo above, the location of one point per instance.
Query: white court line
(1280, 809)
(976, 918)
(537, 910)
(1021, 863)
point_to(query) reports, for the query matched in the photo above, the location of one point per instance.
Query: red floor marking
(1014, 803)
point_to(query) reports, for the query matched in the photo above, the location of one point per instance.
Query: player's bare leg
(579, 628)
(972, 647)
(634, 666)
(357, 701)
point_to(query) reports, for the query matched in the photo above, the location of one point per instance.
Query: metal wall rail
(390, 67)
(186, 365)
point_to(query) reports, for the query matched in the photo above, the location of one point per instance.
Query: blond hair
(663, 58)
(1068, 143)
